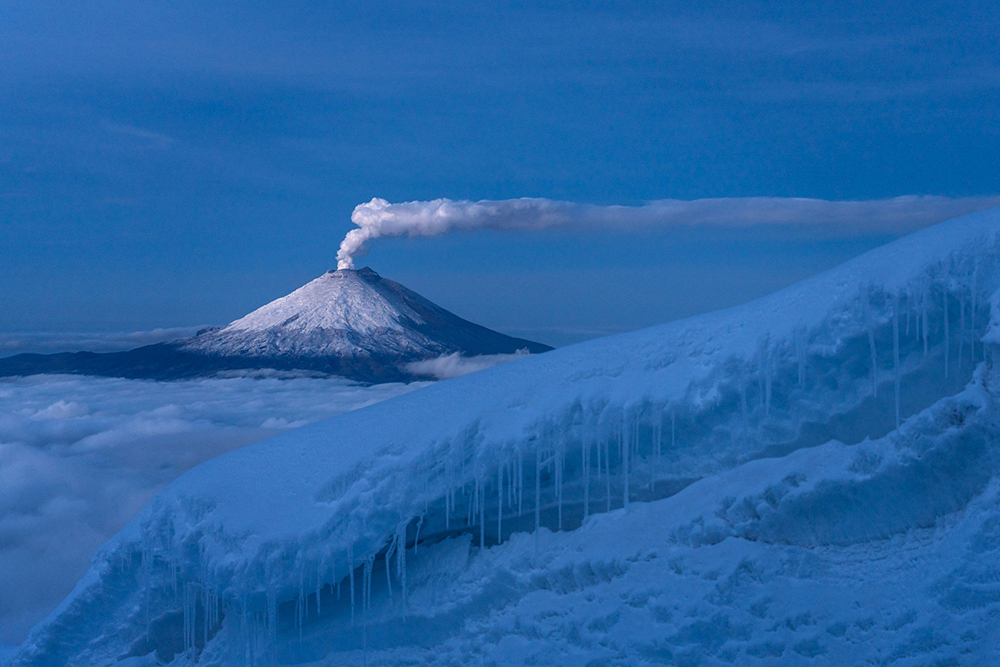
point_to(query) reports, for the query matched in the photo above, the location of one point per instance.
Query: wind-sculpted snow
(765, 478)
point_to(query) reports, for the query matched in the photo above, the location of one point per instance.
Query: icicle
(470, 507)
(416, 538)
(401, 561)
(350, 570)
(511, 467)
(319, 588)
(923, 322)
(607, 469)
(192, 615)
(538, 491)
(369, 565)
(147, 572)
(626, 446)
(517, 479)
(962, 333)
(557, 463)
(364, 588)
(481, 497)
(895, 351)
(272, 618)
(760, 372)
(673, 431)
(244, 626)
(300, 603)
(635, 438)
(449, 499)
(389, 553)
(520, 483)
(204, 616)
(499, 503)
(477, 507)
(186, 624)
(973, 308)
(764, 375)
(743, 400)
(656, 455)
(870, 326)
(600, 470)
(946, 334)
(768, 382)
(585, 467)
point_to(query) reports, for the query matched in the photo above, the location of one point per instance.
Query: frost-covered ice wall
(304, 533)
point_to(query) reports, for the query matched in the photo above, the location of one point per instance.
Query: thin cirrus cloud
(80, 455)
(379, 218)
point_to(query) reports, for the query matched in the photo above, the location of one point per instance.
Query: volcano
(349, 323)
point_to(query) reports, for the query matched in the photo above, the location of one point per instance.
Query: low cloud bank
(79, 456)
(455, 365)
(51, 342)
(380, 218)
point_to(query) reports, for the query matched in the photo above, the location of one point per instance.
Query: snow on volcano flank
(340, 313)
(354, 313)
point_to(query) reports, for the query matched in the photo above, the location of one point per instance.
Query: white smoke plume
(380, 218)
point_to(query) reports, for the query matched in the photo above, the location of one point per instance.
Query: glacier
(809, 478)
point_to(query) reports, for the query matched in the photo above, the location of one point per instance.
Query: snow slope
(810, 478)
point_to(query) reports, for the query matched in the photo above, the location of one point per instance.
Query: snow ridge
(767, 434)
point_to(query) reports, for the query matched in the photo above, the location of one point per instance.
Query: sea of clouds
(79, 456)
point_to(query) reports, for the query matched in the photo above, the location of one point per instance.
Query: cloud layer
(455, 365)
(380, 218)
(79, 456)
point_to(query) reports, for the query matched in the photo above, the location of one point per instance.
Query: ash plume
(382, 219)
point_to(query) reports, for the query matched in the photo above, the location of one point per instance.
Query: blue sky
(174, 164)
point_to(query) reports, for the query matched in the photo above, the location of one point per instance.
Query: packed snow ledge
(810, 478)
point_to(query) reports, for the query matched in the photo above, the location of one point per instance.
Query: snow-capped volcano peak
(351, 323)
(354, 314)
(345, 300)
